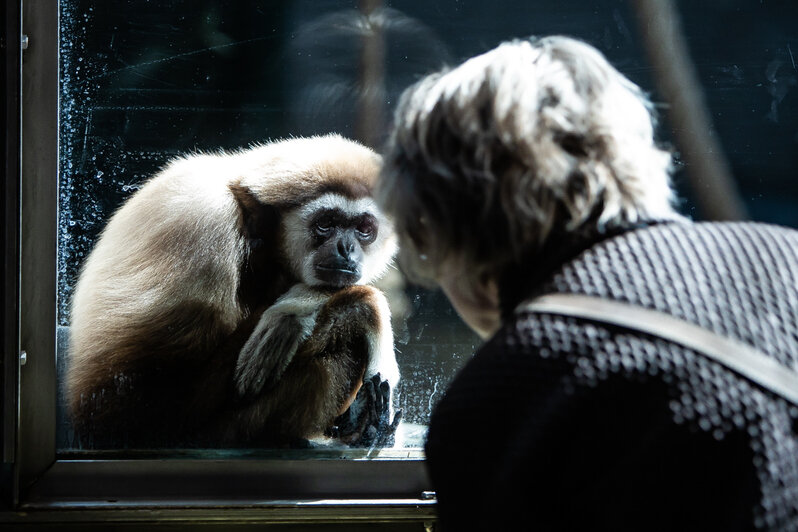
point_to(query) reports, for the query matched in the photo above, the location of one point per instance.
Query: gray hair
(533, 139)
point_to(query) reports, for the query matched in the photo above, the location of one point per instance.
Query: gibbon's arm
(382, 357)
(356, 321)
(280, 331)
(309, 379)
(355, 324)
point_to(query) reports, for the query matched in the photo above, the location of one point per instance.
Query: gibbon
(226, 303)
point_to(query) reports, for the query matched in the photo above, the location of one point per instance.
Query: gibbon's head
(318, 191)
(335, 240)
(333, 232)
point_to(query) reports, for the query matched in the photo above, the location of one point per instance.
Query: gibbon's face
(337, 241)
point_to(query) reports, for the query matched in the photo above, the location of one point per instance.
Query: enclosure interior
(145, 81)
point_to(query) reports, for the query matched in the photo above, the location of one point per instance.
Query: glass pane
(145, 81)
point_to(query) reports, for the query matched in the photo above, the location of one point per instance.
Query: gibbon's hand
(367, 422)
(280, 331)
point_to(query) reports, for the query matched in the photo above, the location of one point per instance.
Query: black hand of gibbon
(367, 422)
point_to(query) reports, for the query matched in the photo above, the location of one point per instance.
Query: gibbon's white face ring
(377, 256)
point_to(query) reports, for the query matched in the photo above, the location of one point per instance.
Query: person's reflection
(347, 66)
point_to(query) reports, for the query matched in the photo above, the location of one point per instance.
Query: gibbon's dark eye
(366, 229)
(322, 227)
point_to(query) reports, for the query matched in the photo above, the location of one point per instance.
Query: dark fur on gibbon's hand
(226, 302)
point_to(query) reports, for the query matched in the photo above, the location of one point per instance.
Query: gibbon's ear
(263, 275)
(259, 221)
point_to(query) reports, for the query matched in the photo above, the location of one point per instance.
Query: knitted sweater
(570, 424)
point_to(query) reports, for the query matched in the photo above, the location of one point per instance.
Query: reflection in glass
(143, 81)
(133, 97)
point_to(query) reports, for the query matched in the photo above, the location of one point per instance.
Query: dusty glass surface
(143, 81)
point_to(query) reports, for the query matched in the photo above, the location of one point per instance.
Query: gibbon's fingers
(387, 436)
(352, 424)
(385, 429)
(379, 400)
(368, 423)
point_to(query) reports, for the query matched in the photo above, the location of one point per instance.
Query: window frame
(288, 491)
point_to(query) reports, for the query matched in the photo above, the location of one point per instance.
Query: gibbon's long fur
(198, 318)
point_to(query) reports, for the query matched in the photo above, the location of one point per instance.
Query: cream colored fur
(178, 241)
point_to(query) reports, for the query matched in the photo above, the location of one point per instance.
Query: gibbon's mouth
(337, 275)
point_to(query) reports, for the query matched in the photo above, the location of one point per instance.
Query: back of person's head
(522, 144)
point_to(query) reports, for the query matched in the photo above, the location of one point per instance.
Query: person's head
(521, 145)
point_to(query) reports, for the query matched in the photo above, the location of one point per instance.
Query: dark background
(143, 81)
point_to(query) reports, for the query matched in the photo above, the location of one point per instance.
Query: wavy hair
(533, 139)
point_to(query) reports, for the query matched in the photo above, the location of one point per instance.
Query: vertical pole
(36, 427)
(707, 169)
(370, 114)
(9, 209)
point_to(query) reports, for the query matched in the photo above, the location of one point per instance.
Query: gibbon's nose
(343, 266)
(346, 247)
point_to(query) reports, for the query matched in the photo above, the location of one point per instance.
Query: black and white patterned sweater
(564, 423)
